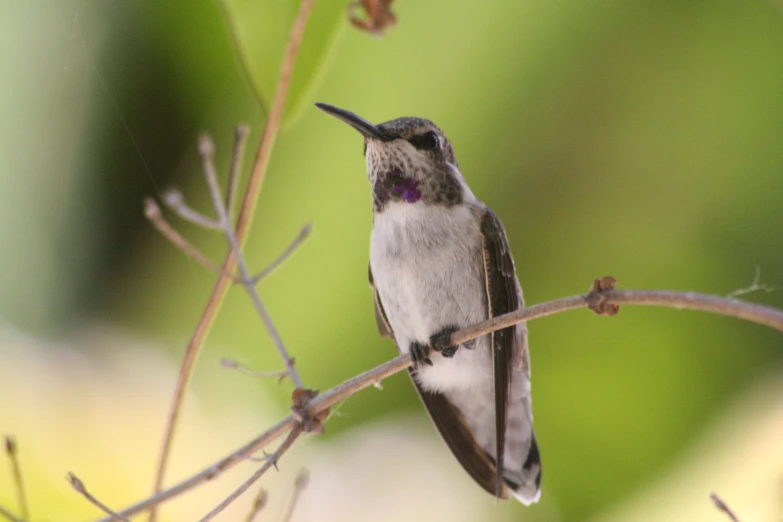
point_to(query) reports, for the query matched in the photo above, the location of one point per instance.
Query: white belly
(428, 269)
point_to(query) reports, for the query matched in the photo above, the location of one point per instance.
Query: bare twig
(241, 133)
(303, 234)
(10, 516)
(689, 300)
(266, 457)
(302, 479)
(176, 202)
(378, 16)
(212, 471)
(78, 485)
(730, 307)
(272, 461)
(755, 286)
(11, 450)
(258, 504)
(723, 507)
(207, 151)
(234, 365)
(244, 220)
(153, 213)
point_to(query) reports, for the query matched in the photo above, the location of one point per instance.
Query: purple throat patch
(393, 186)
(406, 189)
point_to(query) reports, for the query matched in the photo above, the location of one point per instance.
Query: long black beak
(367, 129)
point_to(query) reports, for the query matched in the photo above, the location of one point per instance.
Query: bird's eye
(427, 141)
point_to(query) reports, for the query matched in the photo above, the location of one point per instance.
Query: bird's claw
(441, 341)
(419, 354)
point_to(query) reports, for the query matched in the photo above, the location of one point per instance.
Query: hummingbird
(439, 262)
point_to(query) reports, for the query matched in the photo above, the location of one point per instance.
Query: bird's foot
(418, 353)
(440, 341)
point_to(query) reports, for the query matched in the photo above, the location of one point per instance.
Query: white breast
(427, 266)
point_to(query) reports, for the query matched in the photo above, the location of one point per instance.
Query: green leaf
(260, 30)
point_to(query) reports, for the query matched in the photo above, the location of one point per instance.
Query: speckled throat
(393, 185)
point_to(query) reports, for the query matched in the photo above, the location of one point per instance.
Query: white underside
(428, 269)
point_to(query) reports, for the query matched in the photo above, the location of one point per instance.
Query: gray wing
(380, 315)
(502, 297)
(448, 420)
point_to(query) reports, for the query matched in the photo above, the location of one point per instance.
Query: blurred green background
(638, 139)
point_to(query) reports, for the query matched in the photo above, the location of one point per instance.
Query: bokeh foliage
(638, 139)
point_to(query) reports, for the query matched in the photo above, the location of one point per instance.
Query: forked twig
(223, 222)
(11, 450)
(271, 461)
(730, 307)
(212, 471)
(245, 218)
(207, 152)
(78, 485)
(176, 202)
(153, 213)
(755, 286)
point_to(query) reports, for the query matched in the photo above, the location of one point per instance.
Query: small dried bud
(597, 302)
(310, 423)
(379, 17)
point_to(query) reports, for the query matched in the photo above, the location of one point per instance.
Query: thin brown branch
(723, 507)
(10, 516)
(720, 305)
(78, 485)
(153, 213)
(259, 502)
(244, 220)
(213, 471)
(688, 300)
(302, 479)
(186, 369)
(11, 450)
(273, 122)
(271, 461)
